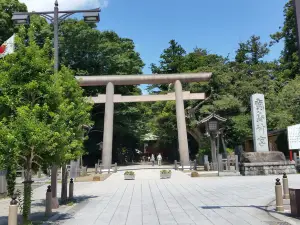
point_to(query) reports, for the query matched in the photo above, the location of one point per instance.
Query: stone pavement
(286, 215)
(179, 200)
(83, 190)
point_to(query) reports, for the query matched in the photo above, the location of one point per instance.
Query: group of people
(152, 159)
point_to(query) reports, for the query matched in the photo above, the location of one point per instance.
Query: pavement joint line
(213, 193)
(211, 209)
(165, 202)
(178, 202)
(106, 205)
(130, 202)
(118, 204)
(154, 203)
(193, 204)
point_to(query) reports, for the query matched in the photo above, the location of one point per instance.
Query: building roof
(149, 137)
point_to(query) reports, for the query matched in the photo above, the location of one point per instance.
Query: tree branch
(205, 100)
(35, 162)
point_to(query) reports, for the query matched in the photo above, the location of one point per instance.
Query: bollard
(175, 163)
(295, 158)
(48, 211)
(96, 168)
(116, 167)
(237, 168)
(13, 211)
(285, 185)
(71, 189)
(195, 165)
(278, 195)
(181, 165)
(190, 165)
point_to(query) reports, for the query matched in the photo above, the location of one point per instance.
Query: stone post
(108, 126)
(175, 164)
(48, 210)
(13, 212)
(71, 189)
(278, 195)
(221, 166)
(237, 167)
(195, 165)
(181, 125)
(295, 158)
(226, 165)
(116, 168)
(285, 184)
(96, 168)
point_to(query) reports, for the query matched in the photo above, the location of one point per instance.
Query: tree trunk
(64, 184)
(196, 135)
(224, 146)
(27, 192)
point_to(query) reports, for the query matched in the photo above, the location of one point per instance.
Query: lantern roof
(212, 116)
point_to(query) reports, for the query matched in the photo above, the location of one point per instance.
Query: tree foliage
(7, 7)
(43, 111)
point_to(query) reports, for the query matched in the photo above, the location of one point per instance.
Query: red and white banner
(7, 47)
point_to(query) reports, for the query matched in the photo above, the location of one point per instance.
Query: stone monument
(262, 161)
(259, 123)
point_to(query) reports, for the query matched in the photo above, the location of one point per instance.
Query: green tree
(171, 61)
(7, 7)
(252, 51)
(288, 33)
(46, 111)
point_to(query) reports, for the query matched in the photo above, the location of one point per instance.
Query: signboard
(294, 137)
(259, 123)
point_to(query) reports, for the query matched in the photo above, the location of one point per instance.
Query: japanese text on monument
(259, 126)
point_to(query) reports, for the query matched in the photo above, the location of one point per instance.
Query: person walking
(152, 159)
(159, 158)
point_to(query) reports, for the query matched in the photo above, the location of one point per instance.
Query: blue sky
(216, 25)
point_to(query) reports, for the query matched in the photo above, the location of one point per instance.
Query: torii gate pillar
(108, 127)
(181, 125)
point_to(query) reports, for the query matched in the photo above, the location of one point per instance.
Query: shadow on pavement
(40, 218)
(263, 208)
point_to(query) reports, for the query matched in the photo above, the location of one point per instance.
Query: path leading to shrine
(179, 200)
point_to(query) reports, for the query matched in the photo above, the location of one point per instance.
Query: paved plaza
(180, 200)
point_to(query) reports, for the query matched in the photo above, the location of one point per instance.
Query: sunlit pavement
(179, 200)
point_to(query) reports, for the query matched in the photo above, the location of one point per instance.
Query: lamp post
(56, 17)
(212, 125)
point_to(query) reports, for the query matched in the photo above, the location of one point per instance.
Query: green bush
(165, 171)
(129, 173)
(194, 174)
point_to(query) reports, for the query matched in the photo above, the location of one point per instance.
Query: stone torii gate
(110, 98)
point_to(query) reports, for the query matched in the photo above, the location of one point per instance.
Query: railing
(99, 168)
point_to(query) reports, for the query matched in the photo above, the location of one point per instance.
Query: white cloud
(42, 5)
